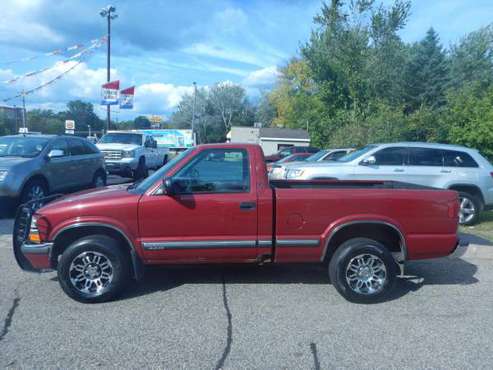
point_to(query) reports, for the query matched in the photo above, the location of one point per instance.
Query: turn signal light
(34, 236)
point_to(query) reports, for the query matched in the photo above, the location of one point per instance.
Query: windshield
(135, 139)
(317, 156)
(356, 154)
(140, 188)
(22, 146)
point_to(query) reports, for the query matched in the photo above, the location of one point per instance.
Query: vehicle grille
(112, 155)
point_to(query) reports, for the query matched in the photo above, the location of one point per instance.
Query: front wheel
(99, 180)
(363, 270)
(141, 171)
(93, 269)
(34, 191)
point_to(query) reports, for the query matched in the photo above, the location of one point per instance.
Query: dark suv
(33, 166)
(288, 151)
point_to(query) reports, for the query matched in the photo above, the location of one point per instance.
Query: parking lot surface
(234, 317)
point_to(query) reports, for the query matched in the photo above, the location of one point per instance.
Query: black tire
(347, 254)
(141, 171)
(99, 179)
(90, 248)
(165, 160)
(475, 206)
(33, 189)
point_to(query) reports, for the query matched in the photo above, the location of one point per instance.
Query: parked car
(438, 165)
(214, 204)
(131, 154)
(297, 157)
(33, 166)
(288, 151)
(277, 170)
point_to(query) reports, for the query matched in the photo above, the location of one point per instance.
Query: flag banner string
(51, 53)
(27, 92)
(94, 45)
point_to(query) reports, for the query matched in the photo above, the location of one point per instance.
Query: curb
(473, 251)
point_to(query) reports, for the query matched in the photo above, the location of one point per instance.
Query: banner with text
(127, 98)
(109, 93)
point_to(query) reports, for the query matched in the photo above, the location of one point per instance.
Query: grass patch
(483, 228)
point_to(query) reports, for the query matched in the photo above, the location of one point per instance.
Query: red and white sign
(127, 98)
(109, 93)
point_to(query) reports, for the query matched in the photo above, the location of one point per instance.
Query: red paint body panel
(287, 216)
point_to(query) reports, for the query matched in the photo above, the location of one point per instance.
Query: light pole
(109, 13)
(193, 111)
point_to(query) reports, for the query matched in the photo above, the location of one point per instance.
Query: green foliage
(357, 82)
(469, 117)
(142, 123)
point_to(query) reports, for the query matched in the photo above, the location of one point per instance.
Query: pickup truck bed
(214, 204)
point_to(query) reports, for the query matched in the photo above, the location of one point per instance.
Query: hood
(116, 146)
(88, 201)
(9, 162)
(323, 164)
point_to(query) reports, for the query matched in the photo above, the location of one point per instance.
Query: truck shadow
(448, 271)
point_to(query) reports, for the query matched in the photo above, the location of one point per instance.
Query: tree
(83, 114)
(266, 111)
(142, 123)
(427, 73)
(45, 121)
(471, 59)
(228, 101)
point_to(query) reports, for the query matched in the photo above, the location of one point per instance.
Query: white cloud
(155, 98)
(262, 77)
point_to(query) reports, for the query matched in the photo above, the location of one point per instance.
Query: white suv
(437, 165)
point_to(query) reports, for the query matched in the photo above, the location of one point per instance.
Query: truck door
(212, 215)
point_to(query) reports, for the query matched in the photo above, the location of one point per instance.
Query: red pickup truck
(214, 204)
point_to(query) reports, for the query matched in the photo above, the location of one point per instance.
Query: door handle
(246, 206)
(398, 170)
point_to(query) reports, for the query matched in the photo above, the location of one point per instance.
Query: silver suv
(33, 166)
(437, 165)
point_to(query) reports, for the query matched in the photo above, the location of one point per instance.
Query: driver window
(215, 171)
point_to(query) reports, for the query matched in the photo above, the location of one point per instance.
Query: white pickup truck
(131, 154)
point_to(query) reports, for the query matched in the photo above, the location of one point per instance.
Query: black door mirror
(168, 186)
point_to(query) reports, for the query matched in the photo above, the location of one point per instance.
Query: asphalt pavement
(246, 317)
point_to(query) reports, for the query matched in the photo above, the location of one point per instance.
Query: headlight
(128, 153)
(293, 174)
(3, 175)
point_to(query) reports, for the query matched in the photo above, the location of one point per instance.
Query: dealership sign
(109, 93)
(127, 98)
(69, 127)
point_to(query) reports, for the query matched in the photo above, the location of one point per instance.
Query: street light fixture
(109, 13)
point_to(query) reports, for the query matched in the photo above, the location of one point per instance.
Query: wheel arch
(384, 232)
(67, 235)
(37, 176)
(470, 189)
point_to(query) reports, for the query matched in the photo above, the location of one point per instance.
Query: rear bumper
(424, 246)
(34, 257)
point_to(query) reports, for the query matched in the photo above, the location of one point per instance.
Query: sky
(162, 47)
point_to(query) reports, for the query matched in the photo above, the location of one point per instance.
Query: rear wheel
(93, 269)
(363, 270)
(34, 191)
(470, 207)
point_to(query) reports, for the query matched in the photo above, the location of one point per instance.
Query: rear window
(454, 158)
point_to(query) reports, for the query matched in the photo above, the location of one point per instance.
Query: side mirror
(370, 161)
(55, 153)
(168, 186)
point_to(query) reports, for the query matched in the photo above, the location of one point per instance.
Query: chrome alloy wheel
(467, 210)
(35, 193)
(99, 181)
(91, 273)
(366, 274)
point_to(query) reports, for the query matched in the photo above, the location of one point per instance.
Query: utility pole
(194, 141)
(109, 13)
(23, 109)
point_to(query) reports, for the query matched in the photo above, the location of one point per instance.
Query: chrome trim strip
(265, 243)
(402, 244)
(201, 244)
(297, 242)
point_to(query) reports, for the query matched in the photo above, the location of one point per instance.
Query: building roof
(285, 133)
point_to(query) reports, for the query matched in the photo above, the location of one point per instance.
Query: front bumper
(121, 167)
(34, 257)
